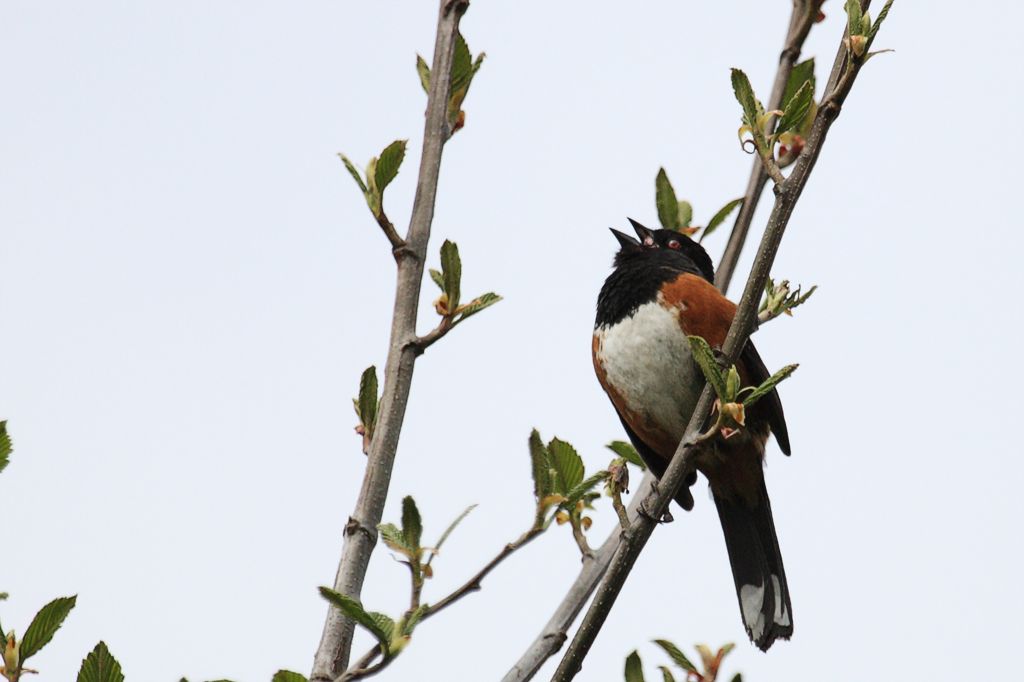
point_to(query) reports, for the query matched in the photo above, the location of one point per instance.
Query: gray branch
(361, 530)
(643, 526)
(800, 22)
(554, 634)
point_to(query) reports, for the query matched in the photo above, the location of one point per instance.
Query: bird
(660, 291)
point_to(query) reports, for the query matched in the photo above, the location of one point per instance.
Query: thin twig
(743, 322)
(335, 645)
(421, 343)
(360, 669)
(398, 245)
(800, 22)
(553, 635)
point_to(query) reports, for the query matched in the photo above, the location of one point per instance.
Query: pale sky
(191, 286)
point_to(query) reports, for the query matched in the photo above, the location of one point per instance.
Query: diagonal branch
(553, 635)
(804, 15)
(682, 462)
(361, 530)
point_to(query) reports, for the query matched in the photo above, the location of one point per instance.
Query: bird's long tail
(757, 567)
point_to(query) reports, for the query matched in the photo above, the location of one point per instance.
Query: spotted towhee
(660, 292)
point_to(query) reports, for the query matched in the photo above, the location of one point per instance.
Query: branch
(361, 668)
(800, 22)
(336, 642)
(682, 462)
(551, 638)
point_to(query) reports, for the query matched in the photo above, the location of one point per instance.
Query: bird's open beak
(625, 241)
(646, 236)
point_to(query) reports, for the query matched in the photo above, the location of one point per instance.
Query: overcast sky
(191, 285)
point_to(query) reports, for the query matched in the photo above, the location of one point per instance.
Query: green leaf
(5, 446)
(410, 622)
(101, 666)
(567, 464)
(412, 523)
(685, 213)
(878, 24)
(368, 399)
(451, 270)
(424, 73)
(375, 623)
(438, 278)
(769, 384)
(737, 678)
(388, 164)
(584, 487)
(732, 383)
(676, 655)
(45, 625)
(745, 96)
(394, 538)
(462, 64)
(634, 668)
(796, 108)
(451, 527)
(478, 304)
(666, 674)
(853, 15)
(665, 198)
(720, 217)
(541, 467)
(801, 73)
(627, 452)
(705, 358)
(354, 173)
(288, 676)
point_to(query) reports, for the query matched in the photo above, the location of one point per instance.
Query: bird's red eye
(674, 244)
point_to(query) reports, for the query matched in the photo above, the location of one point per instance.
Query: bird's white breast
(646, 359)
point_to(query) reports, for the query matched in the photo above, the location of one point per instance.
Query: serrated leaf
(677, 656)
(424, 73)
(451, 527)
(541, 466)
(705, 359)
(720, 217)
(745, 96)
(725, 650)
(101, 666)
(438, 278)
(666, 674)
(580, 490)
(853, 16)
(451, 270)
(368, 398)
(368, 620)
(354, 172)
(627, 452)
(769, 384)
(878, 24)
(796, 108)
(388, 164)
(634, 670)
(384, 624)
(394, 538)
(5, 449)
(45, 625)
(801, 73)
(288, 676)
(462, 64)
(665, 199)
(412, 523)
(478, 304)
(737, 678)
(567, 464)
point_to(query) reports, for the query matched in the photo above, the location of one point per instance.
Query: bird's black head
(663, 248)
